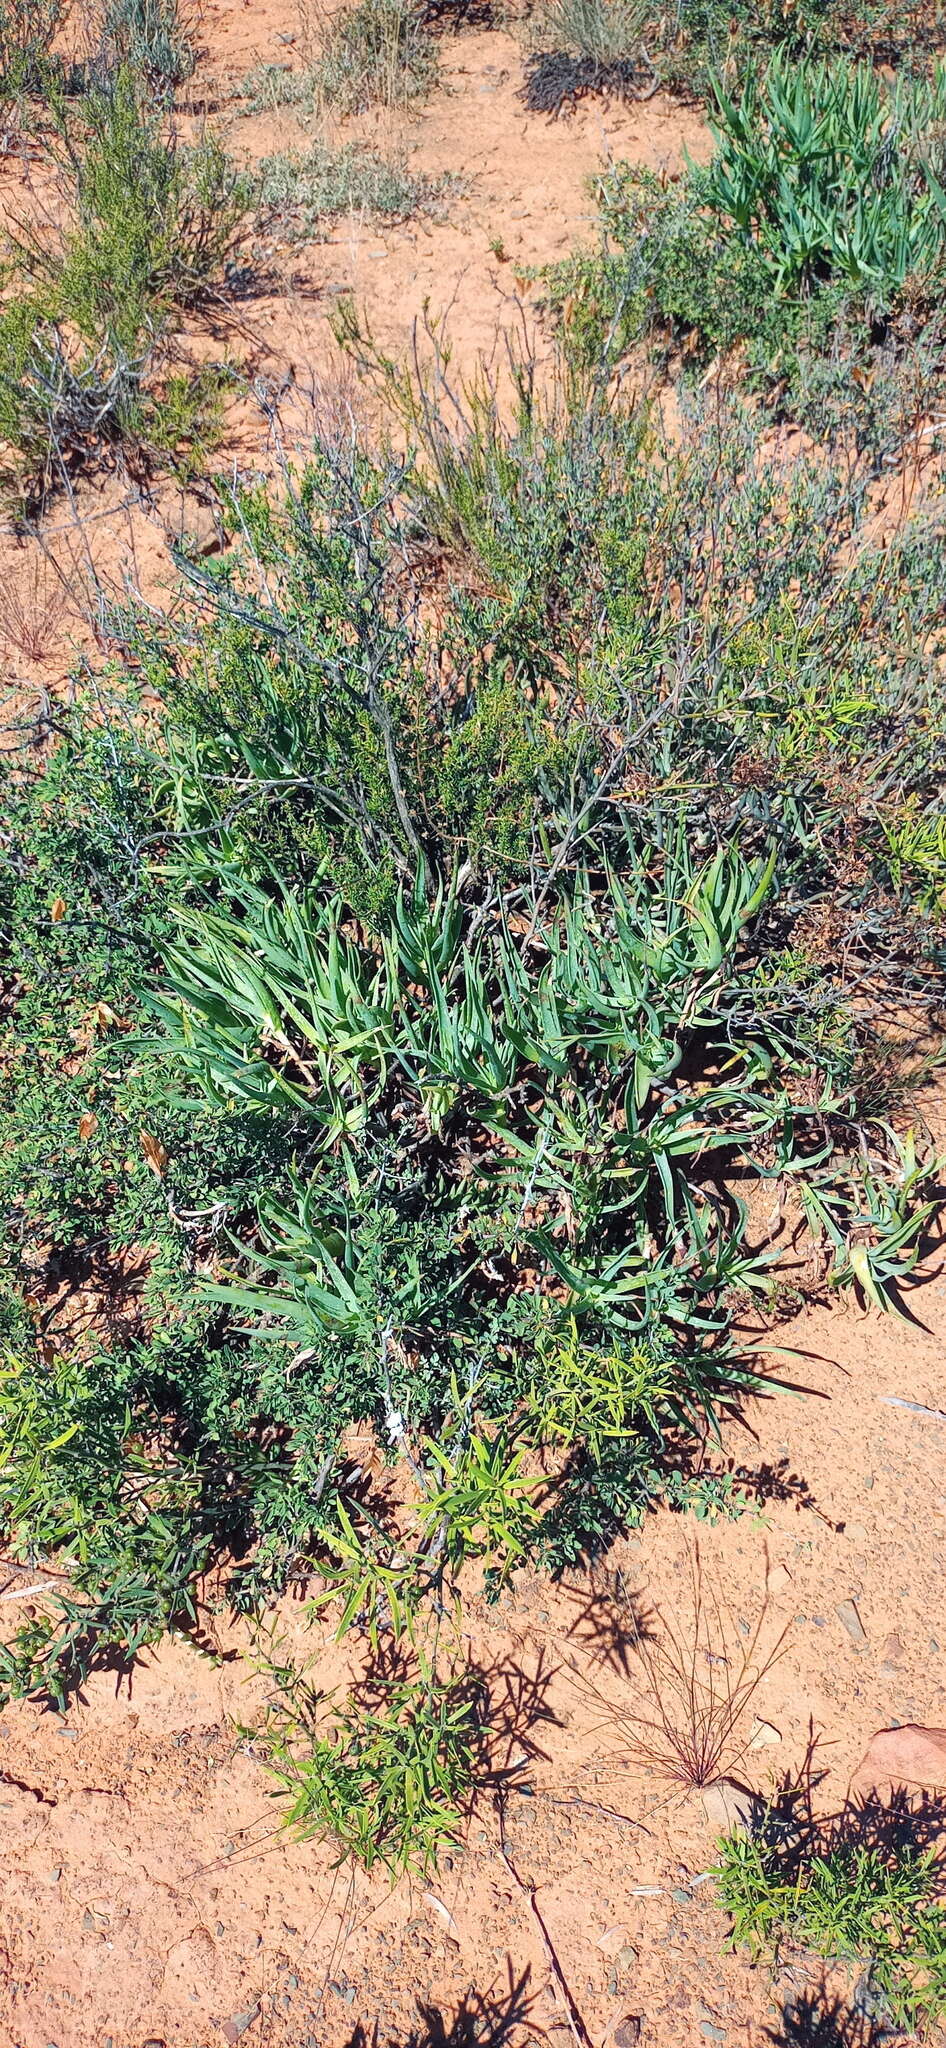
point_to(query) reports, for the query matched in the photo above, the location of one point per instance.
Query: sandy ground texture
(149, 1899)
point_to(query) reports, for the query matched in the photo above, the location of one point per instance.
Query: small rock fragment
(612, 1940)
(233, 2028)
(443, 1912)
(628, 2032)
(892, 1652)
(729, 1806)
(855, 1532)
(779, 1580)
(762, 1735)
(850, 1619)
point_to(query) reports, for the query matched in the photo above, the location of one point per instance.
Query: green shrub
(388, 1783)
(377, 52)
(154, 224)
(496, 937)
(149, 228)
(874, 1905)
(28, 29)
(813, 239)
(833, 177)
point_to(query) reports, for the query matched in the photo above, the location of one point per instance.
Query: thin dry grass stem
(36, 603)
(689, 1723)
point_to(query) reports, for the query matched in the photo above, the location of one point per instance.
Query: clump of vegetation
(269, 86)
(28, 29)
(832, 177)
(418, 1032)
(389, 1781)
(297, 191)
(813, 240)
(82, 335)
(375, 53)
(154, 38)
(586, 46)
(688, 1719)
(872, 1903)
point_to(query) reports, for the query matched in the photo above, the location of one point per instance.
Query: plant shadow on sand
(484, 2019)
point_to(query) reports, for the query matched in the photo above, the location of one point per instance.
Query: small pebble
(850, 1620)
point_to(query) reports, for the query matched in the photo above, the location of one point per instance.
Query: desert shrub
(414, 985)
(151, 37)
(84, 331)
(604, 30)
(269, 86)
(874, 1904)
(28, 29)
(296, 191)
(586, 46)
(832, 176)
(813, 240)
(154, 223)
(377, 52)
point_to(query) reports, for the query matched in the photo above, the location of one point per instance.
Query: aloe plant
(832, 174)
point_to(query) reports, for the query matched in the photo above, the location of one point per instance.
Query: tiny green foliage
(388, 1782)
(875, 1906)
(582, 1393)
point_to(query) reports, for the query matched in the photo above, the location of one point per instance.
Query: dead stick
(577, 2027)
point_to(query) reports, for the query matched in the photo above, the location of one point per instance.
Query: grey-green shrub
(149, 227)
(154, 37)
(376, 52)
(322, 182)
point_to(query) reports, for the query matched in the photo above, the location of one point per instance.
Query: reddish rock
(903, 1756)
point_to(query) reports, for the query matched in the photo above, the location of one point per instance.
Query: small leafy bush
(876, 1906)
(389, 1781)
(28, 29)
(376, 52)
(813, 240)
(832, 176)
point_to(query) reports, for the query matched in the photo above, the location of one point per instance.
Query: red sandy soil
(148, 1894)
